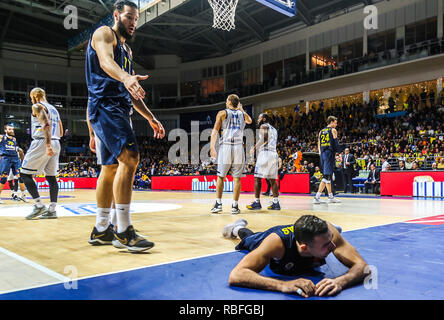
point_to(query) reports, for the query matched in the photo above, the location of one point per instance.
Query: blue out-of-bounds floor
(407, 261)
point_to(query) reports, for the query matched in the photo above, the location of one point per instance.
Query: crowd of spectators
(411, 141)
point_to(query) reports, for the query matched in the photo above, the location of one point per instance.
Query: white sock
(234, 203)
(219, 200)
(257, 200)
(330, 195)
(123, 217)
(113, 219)
(318, 195)
(52, 206)
(236, 230)
(38, 202)
(102, 219)
(275, 200)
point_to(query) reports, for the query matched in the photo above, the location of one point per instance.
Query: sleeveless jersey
(100, 84)
(272, 139)
(233, 127)
(292, 262)
(8, 146)
(54, 117)
(326, 140)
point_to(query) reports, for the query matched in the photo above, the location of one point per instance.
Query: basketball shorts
(12, 176)
(113, 131)
(253, 241)
(36, 160)
(267, 165)
(9, 163)
(327, 162)
(231, 157)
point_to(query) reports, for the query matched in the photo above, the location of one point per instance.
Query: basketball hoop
(223, 13)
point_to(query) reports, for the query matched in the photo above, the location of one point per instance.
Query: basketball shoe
(131, 240)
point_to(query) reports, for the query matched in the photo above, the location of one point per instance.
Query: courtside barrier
(291, 183)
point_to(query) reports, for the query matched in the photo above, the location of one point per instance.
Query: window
(273, 73)
(190, 88)
(212, 86)
(234, 81)
(382, 41)
(350, 50)
(167, 90)
(321, 58)
(421, 31)
(79, 89)
(294, 66)
(251, 76)
(18, 84)
(234, 66)
(210, 72)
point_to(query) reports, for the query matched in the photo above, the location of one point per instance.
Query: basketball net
(224, 12)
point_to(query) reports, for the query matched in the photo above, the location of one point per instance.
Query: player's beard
(122, 30)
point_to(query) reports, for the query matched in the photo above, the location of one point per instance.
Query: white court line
(34, 265)
(114, 272)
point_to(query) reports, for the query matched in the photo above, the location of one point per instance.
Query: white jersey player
(267, 163)
(43, 154)
(231, 153)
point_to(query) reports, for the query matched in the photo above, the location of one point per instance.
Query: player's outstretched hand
(131, 83)
(159, 131)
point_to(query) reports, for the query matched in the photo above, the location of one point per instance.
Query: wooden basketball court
(39, 252)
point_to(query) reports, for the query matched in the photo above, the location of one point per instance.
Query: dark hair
(120, 4)
(266, 117)
(331, 119)
(7, 125)
(307, 227)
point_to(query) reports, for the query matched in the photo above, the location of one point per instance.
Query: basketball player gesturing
(113, 89)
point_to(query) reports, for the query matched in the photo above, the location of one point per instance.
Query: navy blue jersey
(292, 262)
(8, 146)
(100, 84)
(326, 140)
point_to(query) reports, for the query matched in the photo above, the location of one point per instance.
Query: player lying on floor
(292, 250)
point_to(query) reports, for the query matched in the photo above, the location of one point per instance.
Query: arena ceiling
(185, 30)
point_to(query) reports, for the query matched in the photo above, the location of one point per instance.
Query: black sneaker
(235, 209)
(131, 240)
(15, 197)
(101, 238)
(254, 206)
(274, 206)
(217, 208)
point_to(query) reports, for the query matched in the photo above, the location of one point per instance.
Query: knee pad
(20, 179)
(3, 180)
